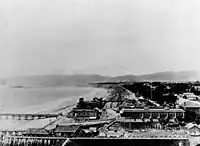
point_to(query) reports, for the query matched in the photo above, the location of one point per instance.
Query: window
(139, 115)
(92, 114)
(81, 114)
(180, 114)
(154, 115)
(171, 115)
(134, 115)
(163, 115)
(146, 115)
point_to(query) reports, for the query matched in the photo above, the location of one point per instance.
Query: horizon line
(73, 74)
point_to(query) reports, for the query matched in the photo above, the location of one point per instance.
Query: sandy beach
(51, 106)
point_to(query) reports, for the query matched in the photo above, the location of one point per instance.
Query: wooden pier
(27, 116)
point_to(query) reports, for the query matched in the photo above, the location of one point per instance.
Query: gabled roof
(191, 125)
(84, 110)
(152, 110)
(66, 128)
(89, 123)
(36, 131)
(190, 104)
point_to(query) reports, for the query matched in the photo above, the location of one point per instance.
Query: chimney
(185, 103)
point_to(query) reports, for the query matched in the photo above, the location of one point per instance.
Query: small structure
(190, 96)
(85, 114)
(65, 130)
(86, 132)
(193, 129)
(77, 130)
(115, 133)
(102, 134)
(192, 106)
(35, 132)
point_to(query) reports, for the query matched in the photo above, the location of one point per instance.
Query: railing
(58, 141)
(21, 140)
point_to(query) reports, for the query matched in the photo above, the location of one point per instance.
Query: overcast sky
(109, 37)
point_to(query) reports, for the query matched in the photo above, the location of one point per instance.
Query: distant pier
(25, 116)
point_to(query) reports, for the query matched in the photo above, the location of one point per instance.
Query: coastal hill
(54, 80)
(161, 76)
(83, 79)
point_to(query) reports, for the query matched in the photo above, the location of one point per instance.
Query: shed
(66, 130)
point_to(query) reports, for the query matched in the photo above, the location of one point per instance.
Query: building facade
(85, 114)
(151, 114)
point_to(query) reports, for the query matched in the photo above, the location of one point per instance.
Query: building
(12, 132)
(149, 118)
(132, 125)
(193, 129)
(192, 110)
(65, 130)
(76, 130)
(85, 114)
(115, 134)
(36, 132)
(151, 114)
(190, 96)
(192, 106)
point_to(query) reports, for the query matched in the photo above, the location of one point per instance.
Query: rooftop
(66, 128)
(36, 131)
(152, 110)
(157, 133)
(84, 110)
(191, 125)
(190, 104)
(85, 123)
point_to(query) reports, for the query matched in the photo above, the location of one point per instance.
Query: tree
(117, 93)
(197, 120)
(190, 116)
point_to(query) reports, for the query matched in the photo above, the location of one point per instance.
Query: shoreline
(51, 107)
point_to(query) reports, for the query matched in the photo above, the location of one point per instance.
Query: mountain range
(84, 79)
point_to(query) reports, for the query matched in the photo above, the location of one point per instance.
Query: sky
(107, 37)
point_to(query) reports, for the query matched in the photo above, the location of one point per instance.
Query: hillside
(83, 80)
(161, 76)
(53, 80)
(172, 76)
(126, 78)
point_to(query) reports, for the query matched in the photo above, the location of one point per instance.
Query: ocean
(28, 98)
(43, 99)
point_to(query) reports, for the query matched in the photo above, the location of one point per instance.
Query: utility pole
(151, 90)
(1, 105)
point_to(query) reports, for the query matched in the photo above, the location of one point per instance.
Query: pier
(27, 116)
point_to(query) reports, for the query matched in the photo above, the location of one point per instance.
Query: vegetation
(161, 92)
